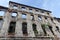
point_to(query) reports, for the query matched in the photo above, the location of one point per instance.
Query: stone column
(7, 19)
(29, 26)
(18, 29)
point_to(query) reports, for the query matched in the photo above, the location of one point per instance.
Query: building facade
(23, 22)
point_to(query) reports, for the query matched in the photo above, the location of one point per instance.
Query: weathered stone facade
(24, 22)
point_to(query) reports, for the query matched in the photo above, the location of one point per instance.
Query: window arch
(12, 28)
(34, 29)
(2, 13)
(39, 17)
(24, 28)
(43, 27)
(23, 8)
(57, 29)
(15, 6)
(50, 27)
(24, 16)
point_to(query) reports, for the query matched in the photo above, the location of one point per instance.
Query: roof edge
(30, 6)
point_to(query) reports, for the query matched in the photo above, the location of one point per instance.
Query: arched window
(50, 27)
(15, 6)
(57, 29)
(12, 28)
(39, 18)
(34, 29)
(32, 17)
(43, 27)
(24, 16)
(24, 28)
(14, 14)
(2, 13)
(23, 8)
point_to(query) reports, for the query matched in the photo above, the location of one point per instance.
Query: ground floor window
(12, 28)
(24, 28)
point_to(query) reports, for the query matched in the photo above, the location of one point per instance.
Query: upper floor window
(45, 17)
(51, 19)
(14, 14)
(47, 13)
(23, 8)
(2, 13)
(30, 9)
(57, 29)
(15, 7)
(24, 16)
(37, 10)
(32, 17)
(41, 11)
(39, 18)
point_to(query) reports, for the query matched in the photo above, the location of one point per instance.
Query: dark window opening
(24, 29)
(12, 28)
(23, 8)
(30, 8)
(1, 18)
(57, 28)
(37, 10)
(47, 13)
(51, 29)
(41, 11)
(45, 17)
(32, 17)
(44, 30)
(34, 29)
(51, 19)
(1, 22)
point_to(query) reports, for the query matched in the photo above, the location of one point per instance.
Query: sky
(51, 5)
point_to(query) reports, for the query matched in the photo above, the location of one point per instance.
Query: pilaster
(18, 29)
(29, 26)
(7, 19)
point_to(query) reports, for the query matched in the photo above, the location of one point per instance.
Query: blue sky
(52, 5)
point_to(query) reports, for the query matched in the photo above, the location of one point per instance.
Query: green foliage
(45, 25)
(36, 32)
